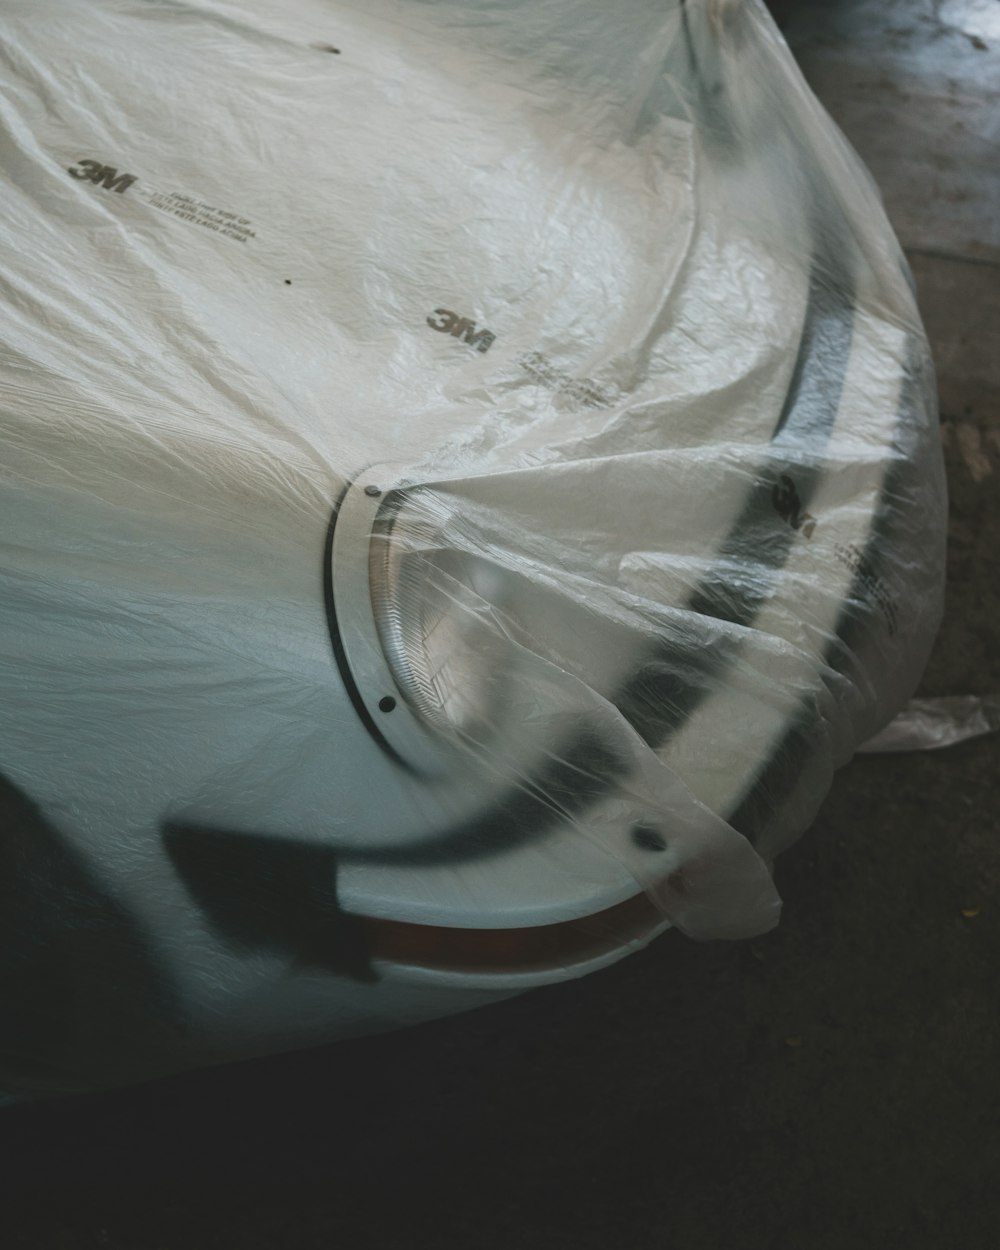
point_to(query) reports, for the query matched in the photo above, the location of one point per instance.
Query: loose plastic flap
(930, 724)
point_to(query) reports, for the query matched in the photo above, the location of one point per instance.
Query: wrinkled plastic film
(522, 711)
(930, 724)
(463, 496)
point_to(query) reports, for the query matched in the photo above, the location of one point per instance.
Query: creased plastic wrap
(930, 724)
(469, 476)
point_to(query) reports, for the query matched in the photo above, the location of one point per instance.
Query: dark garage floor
(836, 1084)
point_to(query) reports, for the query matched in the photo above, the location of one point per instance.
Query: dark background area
(834, 1084)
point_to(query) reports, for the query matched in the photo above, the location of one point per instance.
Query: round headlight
(438, 612)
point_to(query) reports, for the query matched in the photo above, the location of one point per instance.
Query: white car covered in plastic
(469, 475)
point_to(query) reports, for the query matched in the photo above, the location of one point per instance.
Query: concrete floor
(833, 1085)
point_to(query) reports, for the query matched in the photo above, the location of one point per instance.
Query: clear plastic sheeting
(929, 724)
(470, 475)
